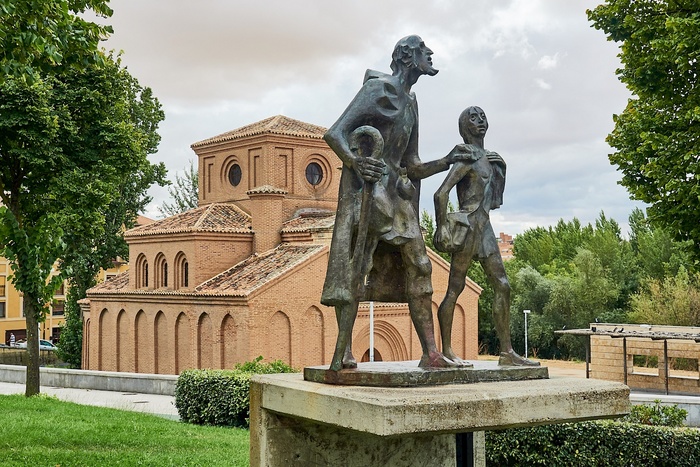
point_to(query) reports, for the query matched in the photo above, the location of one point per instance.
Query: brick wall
(608, 361)
(160, 333)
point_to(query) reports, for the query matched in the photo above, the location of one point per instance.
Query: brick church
(241, 275)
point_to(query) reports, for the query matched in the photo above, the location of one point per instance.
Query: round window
(314, 173)
(234, 174)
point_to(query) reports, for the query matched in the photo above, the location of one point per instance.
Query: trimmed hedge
(595, 443)
(220, 397)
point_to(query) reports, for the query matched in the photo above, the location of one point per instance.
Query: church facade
(241, 275)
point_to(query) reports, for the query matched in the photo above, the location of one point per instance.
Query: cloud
(547, 62)
(542, 84)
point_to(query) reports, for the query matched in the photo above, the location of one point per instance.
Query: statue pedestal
(298, 422)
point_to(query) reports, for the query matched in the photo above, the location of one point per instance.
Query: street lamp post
(371, 331)
(526, 312)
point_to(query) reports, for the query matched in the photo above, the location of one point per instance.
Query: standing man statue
(467, 234)
(377, 252)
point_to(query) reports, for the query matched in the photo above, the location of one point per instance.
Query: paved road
(163, 406)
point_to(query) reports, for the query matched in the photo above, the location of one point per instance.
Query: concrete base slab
(409, 374)
(293, 420)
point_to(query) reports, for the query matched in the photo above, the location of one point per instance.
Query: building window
(314, 173)
(58, 307)
(141, 271)
(160, 268)
(235, 174)
(181, 271)
(2, 285)
(2, 309)
(61, 290)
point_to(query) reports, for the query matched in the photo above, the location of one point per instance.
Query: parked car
(43, 345)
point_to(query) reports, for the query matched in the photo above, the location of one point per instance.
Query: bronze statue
(377, 251)
(467, 233)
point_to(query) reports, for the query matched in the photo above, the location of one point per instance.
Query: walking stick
(365, 141)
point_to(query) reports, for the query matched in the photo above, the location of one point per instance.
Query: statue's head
(473, 123)
(411, 52)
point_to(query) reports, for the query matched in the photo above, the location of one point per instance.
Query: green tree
(551, 250)
(531, 291)
(657, 254)
(30, 225)
(39, 36)
(657, 136)
(97, 97)
(184, 193)
(577, 273)
(616, 258)
(674, 300)
(70, 143)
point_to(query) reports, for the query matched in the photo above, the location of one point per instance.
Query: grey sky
(544, 77)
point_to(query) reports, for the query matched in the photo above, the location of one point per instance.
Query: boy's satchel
(458, 226)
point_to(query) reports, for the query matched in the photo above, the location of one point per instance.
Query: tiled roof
(216, 217)
(113, 284)
(267, 189)
(257, 270)
(239, 281)
(143, 220)
(310, 222)
(278, 125)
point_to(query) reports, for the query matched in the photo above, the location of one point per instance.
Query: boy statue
(467, 234)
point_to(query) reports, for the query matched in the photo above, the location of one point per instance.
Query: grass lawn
(42, 431)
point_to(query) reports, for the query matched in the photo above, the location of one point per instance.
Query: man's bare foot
(349, 361)
(513, 359)
(461, 363)
(436, 360)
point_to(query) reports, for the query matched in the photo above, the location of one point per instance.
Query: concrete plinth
(297, 422)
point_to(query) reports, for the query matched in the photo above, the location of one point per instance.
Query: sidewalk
(156, 404)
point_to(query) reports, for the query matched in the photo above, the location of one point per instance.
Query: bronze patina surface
(409, 374)
(377, 252)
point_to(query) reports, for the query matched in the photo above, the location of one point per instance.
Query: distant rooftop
(238, 281)
(216, 217)
(257, 270)
(278, 125)
(310, 221)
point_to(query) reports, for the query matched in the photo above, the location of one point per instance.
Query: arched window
(161, 271)
(141, 271)
(182, 271)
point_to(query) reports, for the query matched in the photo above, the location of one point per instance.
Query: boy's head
(472, 123)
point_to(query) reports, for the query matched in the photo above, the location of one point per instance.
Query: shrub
(220, 397)
(596, 443)
(657, 415)
(258, 367)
